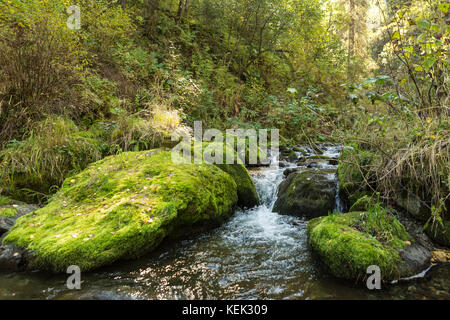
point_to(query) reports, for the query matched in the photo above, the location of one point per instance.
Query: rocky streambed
(272, 250)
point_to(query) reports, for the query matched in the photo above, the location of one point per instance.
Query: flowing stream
(258, 254)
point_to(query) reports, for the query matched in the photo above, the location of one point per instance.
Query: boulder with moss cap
(122, 207)
(349, 243)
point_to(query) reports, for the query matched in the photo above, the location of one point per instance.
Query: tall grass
(30, 169)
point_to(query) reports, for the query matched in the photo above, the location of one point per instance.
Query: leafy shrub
(38, 60)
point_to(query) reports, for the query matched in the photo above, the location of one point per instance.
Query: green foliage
(53, 149)
(4, 200)
(356, 174)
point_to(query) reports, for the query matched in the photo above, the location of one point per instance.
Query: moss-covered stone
(440, 233)
(287, 154)
(121, 208)
(310, 193)
(349, 243)
(246, 190)
(299, 149)
(247, 195)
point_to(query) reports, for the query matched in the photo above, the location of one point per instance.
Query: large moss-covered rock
(246, 190)
(247, 195)
(349, 243)
(310, 193)
(440, 233)
(121, 208)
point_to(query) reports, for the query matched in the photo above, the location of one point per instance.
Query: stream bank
(257, 254)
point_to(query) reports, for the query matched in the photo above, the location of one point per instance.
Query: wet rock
(439, 233)
(283, 164)
(11, 258)
(415, 206)
(10, 213)
(415, 258)
(288, 155)
(309, 194)
(300, 149)
(317, 162)
(288, 171)
(333, 162)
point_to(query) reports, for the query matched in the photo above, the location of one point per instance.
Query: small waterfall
(339, 206)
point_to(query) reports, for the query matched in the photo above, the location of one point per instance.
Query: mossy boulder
(247, 195)
(440, 233)
(310, 193)
(349, 243)
(122, 207)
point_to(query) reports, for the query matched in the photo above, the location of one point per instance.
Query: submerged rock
(310, 193)
(349, 243)
(122, 207)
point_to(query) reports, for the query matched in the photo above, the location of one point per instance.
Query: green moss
(298, 149)
(246, 190)
(349, 243)
(288, 154)
(8, 212)
(123, 207)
